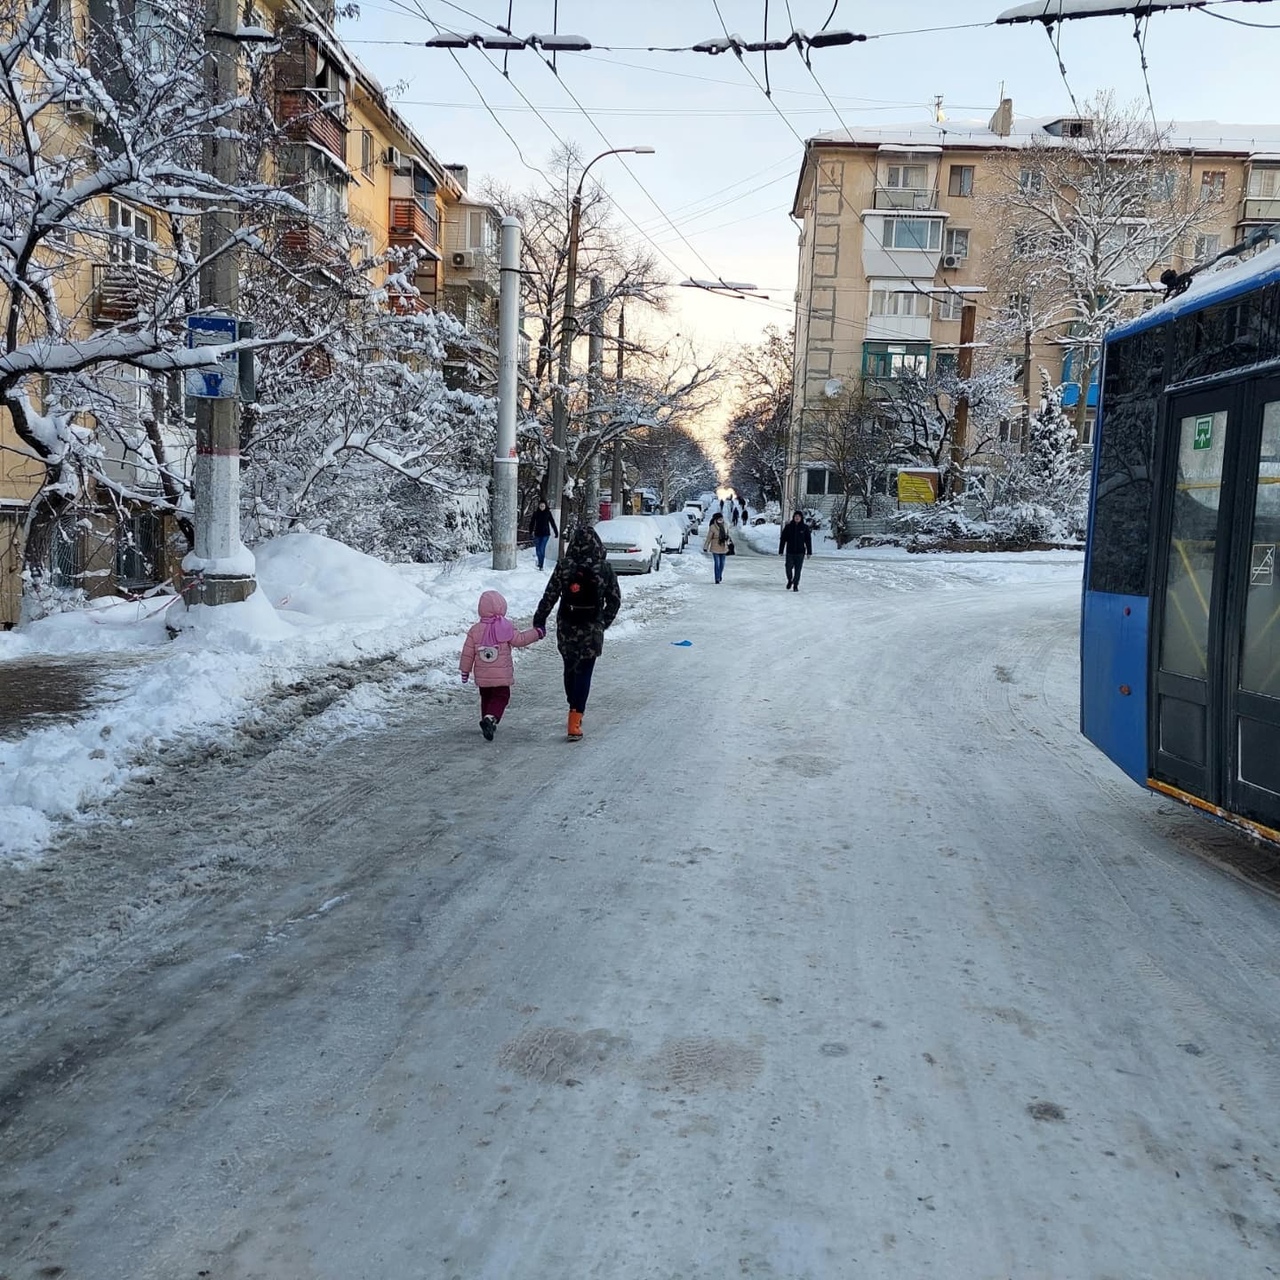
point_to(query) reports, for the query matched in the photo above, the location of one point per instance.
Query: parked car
(673, 529)
(631, 543)
(693, 514)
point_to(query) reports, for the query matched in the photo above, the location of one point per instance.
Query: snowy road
(832, 952)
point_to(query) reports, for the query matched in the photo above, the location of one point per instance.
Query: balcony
(318, 116)
(311, 241)
(122, 291)
(413, 221)
(905, 198)
(1260, 209)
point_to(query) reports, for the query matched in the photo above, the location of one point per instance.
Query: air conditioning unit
(951, 261)
(464, 258)
(392, 158)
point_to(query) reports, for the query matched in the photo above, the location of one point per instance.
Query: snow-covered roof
(1227, 278)
(1252, 140)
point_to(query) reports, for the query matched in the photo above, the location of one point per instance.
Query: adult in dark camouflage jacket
(580, 639)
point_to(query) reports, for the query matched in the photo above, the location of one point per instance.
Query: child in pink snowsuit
(487, 652)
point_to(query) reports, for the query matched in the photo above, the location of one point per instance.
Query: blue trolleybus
(1180, 636)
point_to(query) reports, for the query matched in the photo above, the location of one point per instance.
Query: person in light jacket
(797, 543)
(717, 543)
(486, 654)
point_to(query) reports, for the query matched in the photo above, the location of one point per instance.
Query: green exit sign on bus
(1204, 433)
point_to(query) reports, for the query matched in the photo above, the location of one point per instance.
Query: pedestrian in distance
(586, 586)
(797, 543)
(718, 543)
(486, 654)
(733, 517)
(542, 528)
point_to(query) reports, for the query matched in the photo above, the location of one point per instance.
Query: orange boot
(575, 726)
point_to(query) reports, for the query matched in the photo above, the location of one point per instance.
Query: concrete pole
(506, 460)
(595, 371)
(220, 569)
(964, 367)
(615, 486)
(1026, 388)
(560, 401)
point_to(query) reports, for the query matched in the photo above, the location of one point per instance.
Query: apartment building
(900, 229)
(370, 185)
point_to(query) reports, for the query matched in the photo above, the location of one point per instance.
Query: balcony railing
(312, 115)
(906, 198)
(412, 220)
(310, 241)
(1260, 209)
(122, 290)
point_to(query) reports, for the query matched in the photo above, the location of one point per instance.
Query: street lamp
(560, 401)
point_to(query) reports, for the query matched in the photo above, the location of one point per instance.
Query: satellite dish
(832, 388)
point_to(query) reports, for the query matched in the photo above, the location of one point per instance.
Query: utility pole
(595, 370)
(506, 459)
(1026, 386)
(568, 331)
(615, 488)
(220, 570)
(964, 369)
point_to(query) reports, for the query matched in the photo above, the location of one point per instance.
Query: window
(911, 177)
(1264, 183)
(366, 153)
(1213, 184)
(913, 233)
(1164, 185)
(153, 25)
(130, 238)
(957, 243)
(815, 481)
(894, 360)
(53, 36)
(889, 302)
(1019, 305)
(946, 364)
(950, 307)
(1024, 243)
(1030, 182)
(960, 180)
(1207, 247)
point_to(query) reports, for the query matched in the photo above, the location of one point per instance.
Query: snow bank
(318, 604)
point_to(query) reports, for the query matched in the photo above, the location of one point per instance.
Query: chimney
(1001, 124)
(459, 172)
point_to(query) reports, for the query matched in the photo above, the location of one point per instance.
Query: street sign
(220, 381)
(1204, 433)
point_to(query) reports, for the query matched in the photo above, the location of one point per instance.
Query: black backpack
(580, 600)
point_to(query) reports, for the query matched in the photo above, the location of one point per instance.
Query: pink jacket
(491, 663)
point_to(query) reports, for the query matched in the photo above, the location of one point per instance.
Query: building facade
(903, 226)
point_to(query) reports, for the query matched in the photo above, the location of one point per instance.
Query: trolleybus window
(1184, 641)
(1132, 388)
(1260, 646)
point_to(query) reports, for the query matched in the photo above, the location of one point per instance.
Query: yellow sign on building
(917, 486)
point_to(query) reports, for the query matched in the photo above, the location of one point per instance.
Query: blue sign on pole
(214, 382)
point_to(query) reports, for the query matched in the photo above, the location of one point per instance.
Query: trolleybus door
(1185, 702)
(1252, 620)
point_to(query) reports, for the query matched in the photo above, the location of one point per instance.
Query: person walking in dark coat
(542, 528)
(586, 586)
(797, 543)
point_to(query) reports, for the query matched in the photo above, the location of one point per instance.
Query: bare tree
(756, 439)
(1082, 219)
(858, 440)
(105, 118)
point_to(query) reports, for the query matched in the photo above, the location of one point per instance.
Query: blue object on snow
(682, 644)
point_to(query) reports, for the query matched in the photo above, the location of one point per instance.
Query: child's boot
(488, 726)
(575, 726)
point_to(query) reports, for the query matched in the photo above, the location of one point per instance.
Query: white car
(673, 529)
(693, 514)
(631, 543)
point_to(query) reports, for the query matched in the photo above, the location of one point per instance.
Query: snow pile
(319, 604)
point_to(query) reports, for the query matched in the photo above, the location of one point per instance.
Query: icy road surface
(833, 951)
